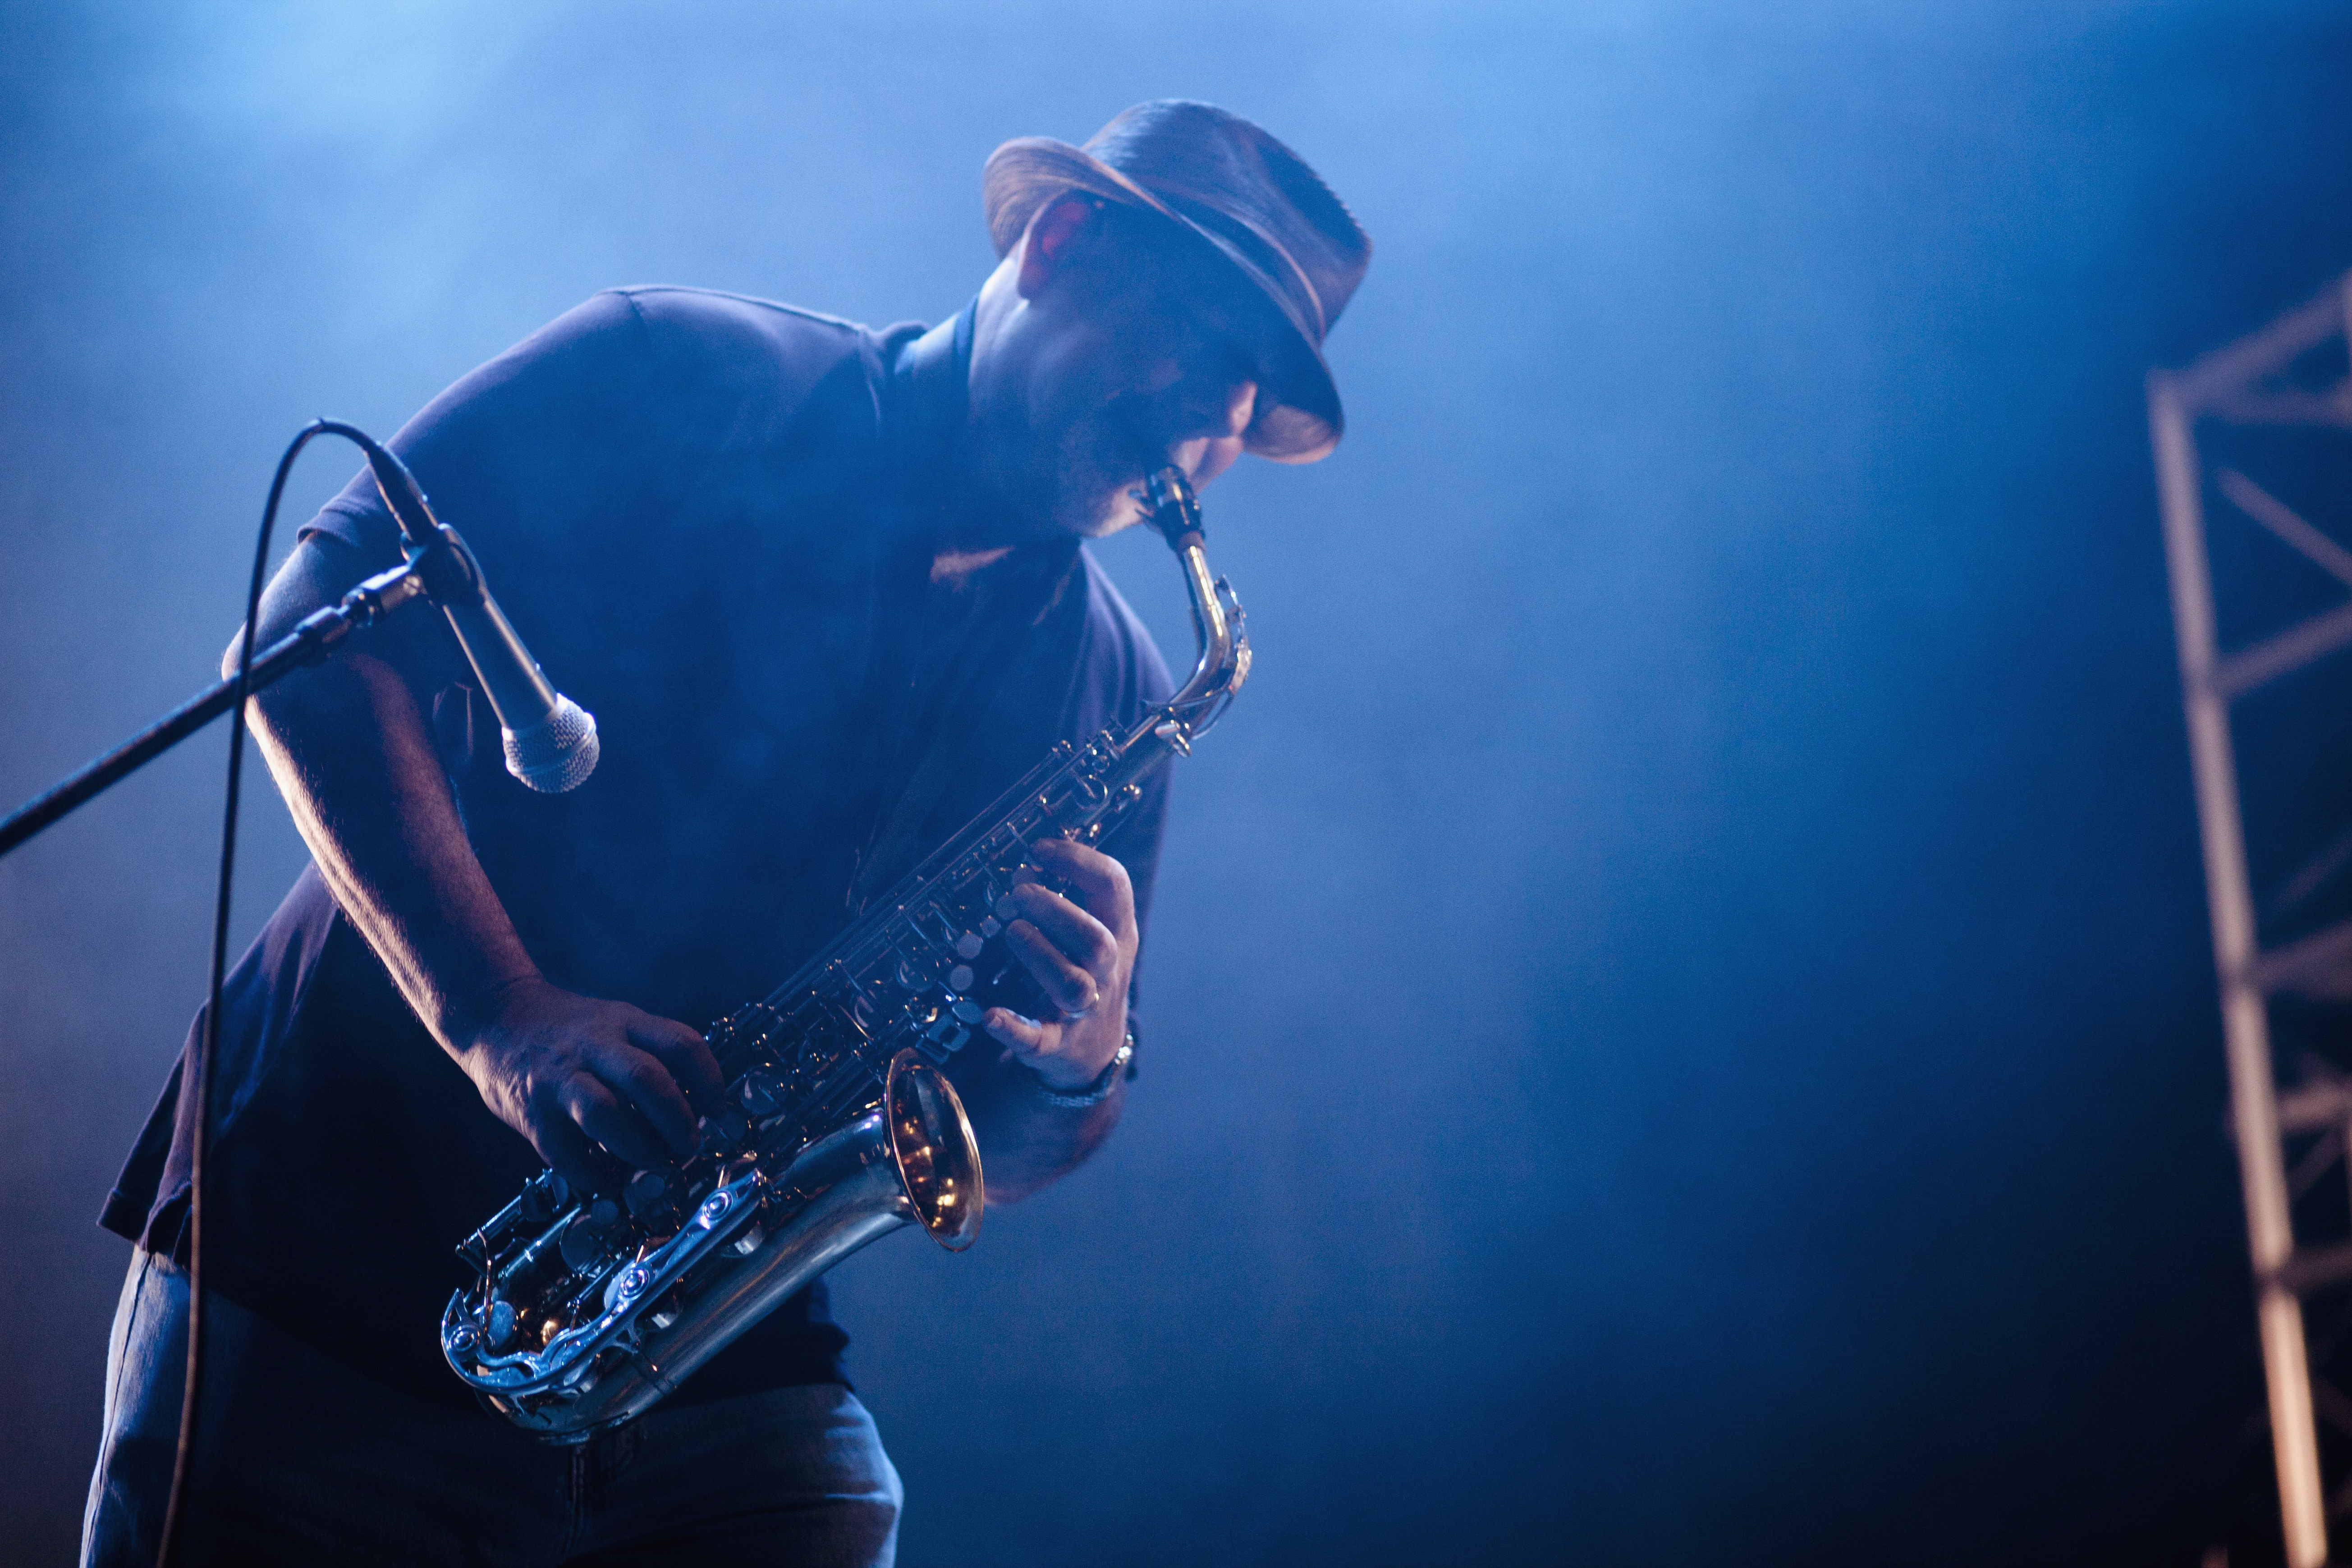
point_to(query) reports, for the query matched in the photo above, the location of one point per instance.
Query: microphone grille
(556, 754)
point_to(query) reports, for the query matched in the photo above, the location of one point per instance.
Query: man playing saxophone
(823, 589)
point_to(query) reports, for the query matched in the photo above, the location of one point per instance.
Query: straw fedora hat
(1254, 203)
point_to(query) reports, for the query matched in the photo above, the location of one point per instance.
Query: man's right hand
(589, 1082)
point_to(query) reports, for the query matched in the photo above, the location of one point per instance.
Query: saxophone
(837, 1126)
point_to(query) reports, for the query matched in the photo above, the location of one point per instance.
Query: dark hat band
(1273, 265)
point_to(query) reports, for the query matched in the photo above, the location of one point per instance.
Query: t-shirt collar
(930, 413)
(931, 397)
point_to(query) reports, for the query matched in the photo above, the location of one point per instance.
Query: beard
(1092, 475)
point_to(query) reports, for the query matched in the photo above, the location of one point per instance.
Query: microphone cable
(196, 1083)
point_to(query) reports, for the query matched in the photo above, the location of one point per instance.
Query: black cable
(196, 1083)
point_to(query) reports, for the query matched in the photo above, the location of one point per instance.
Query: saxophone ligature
(837, 1126)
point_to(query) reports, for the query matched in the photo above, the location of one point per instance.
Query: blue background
(1682, 1024)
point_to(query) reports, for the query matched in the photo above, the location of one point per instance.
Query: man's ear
(1056, 235)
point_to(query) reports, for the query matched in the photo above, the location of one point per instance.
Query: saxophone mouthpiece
(1175, 508)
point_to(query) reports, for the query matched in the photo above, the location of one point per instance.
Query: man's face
(1104, 350)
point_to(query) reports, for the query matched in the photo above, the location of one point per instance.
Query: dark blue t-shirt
(711, 517)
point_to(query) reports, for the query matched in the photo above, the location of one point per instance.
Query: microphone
(551, 741)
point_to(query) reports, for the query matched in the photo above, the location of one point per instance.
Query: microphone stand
(317, 635)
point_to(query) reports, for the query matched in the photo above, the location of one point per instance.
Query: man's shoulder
(726, 327)
(695, 352)
(748, 373)
(719, 310)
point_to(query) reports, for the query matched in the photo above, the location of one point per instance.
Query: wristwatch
(1094, 1093)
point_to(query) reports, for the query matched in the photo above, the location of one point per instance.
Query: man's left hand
(1081, 948)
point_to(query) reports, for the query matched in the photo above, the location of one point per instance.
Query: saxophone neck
(1224, 660)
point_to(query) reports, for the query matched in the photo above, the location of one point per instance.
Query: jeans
(302, 1460)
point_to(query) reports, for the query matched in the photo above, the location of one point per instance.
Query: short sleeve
(532, 424)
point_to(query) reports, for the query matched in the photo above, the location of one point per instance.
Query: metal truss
(2279, 403)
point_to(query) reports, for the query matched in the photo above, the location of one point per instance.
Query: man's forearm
(351, 750)
(1026, 1141)
(353, 757)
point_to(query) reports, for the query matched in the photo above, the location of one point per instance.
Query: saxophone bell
(753, 1241)
(937, 1157)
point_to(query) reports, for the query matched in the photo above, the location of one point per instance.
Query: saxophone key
(582, 1246)
(498, 1326)
(726, 1127)
(916, 971)
(648, 1195)
(544, 1197)
(761, 1092)
(477, 1252)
